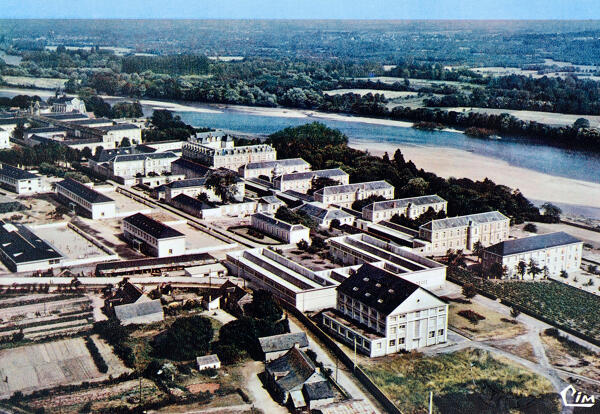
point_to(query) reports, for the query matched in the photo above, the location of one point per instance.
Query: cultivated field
(549, 118)
(44, 83)
(46, 365)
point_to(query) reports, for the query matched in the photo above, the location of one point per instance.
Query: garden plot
(71, 244)
(34, 367)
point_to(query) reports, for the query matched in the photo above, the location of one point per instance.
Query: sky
(302, 9)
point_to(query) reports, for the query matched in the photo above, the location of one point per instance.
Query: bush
(514, 312)
(472, 316)
(530, 227)
(186, 338)
(96, 356)
(469, 291)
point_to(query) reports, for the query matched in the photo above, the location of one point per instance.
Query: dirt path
(260, 396)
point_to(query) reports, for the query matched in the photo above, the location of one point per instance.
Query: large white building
(289, 233)
(274, 168)
(384, 314)
(85, 200)
(128, 163)
(20, 181)
(325, 216)
(362, 248)
(219, 151)
(21, 250)
(302, 181)
(153, 237)
(554, 251)
(346, 195)
(68, 104)
(463, 232)
(410, 207)
(113, 135)
(195, 186)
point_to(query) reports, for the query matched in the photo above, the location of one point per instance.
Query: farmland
(570, 308)
(464, 381)
(30, 82)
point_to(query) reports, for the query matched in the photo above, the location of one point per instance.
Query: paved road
(344, 377)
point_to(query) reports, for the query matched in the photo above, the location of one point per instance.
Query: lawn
(566, 306)
(495, 325)
(468, 381)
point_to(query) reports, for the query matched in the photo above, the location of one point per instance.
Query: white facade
(94, 204)
(114, 134)
(196, 186)
(302, 181)
(274, 168)
(410, 207)
(227, 157)
(65, 104)
(556, 252)
(289, 233)
(208, 362)
(346, 195)
(4, 138)
(464, 231)
(153, 237)
(20, 181)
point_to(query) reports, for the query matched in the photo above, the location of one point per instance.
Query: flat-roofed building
(384, 314)
(85, 200)
(20, 181)
(411, 207)
(554, 251)
(346, 195)
(325, 216)
(463, 232)
(362, 248)
(302, 181)
(289, 233)
(222, 154)
(92, 122)
(153, 237)
(21, 250)
(63, 116)
(50, 132)
(289, 281)
(273, 168)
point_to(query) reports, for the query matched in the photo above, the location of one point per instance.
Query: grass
(565, 355)
(493, 326)
(467, 381)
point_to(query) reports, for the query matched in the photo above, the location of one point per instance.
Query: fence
(345, 359)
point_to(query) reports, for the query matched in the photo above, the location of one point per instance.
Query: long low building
(326, 216)
(363, 248)
(287, 280)
(22, 250)
(303, 181)
(289, 233)
(274, 168)
(381, 314)
(552, 253)
(85, 200)
(410, 207)
(153, 237)
(463, 232)
(20, 181)
(346, 195)
(194, 186)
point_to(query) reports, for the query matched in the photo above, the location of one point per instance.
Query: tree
(530, 227)
(581, 123)
(478, 249)
(545, 272)
(533, 269)
(264, 306)
(496, 270)
(125, 142)
(319, 182)
(521, 268)
(186, 338)
(564, 274)
(223, 183)
(551, 212)
(469, 291)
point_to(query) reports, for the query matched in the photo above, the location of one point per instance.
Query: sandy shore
(450, 162)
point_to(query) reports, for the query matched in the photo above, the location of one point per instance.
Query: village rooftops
(404, 202)
(528, 244)
(289, 162)
(377, 288)
(463, 221)
(88, 194)
(20, 245)
(331, 173)
(283, 342)
(16, 173)
(152, 227)
(315, 391)
(352, 188)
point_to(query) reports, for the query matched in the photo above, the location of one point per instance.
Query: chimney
(297, 345)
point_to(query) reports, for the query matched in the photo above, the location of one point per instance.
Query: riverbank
(451, 162)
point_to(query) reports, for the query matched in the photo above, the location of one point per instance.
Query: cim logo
(573, 398)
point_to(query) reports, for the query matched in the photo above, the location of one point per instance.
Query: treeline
(101, 108)
(323, 147)
(176, 64)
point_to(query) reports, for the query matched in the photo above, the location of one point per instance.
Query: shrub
(468, 290)
(530, 227)
(514, 312)
(472, 316)
(96, 356)
(186, 338)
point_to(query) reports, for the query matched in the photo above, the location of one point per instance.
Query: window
(440, 332)
(400, 341)
(432, 334)
(393, 330)
(392, 342)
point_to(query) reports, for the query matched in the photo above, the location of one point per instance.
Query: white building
(273, 168)
(134, 164)
(20, 181)
(362, 248)
(220, 152)
(153, 237)
(384, 314)
(325, 216)
(4, 138)
(555, 251)
(289, 233)
(411, 207)
(196, 186)
(463, 232)
(85, 200)
(208, 362)
(68, 104)
(10, 123)
(21, 250)
(210, 210)
(302, 181)
(345, 195)
(114, 134)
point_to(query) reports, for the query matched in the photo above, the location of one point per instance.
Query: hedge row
(96, 356)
